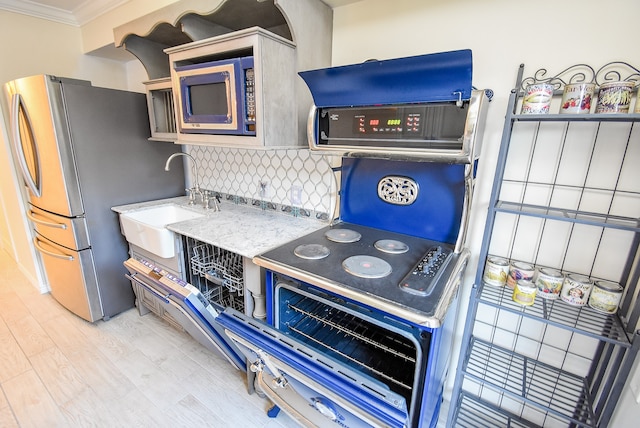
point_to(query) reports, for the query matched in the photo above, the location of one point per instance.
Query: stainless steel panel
(68, 232)
(72, 278)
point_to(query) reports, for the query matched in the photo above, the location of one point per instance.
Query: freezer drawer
(67, 232)
(72, 278)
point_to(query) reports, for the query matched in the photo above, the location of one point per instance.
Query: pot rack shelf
(571, 204)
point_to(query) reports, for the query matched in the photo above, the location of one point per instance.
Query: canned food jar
(614, 97)
(537, 98)
(577, 98)
(524, 292)
(518, 271)
(495, 271)
(605, 296)
(636, 109)
(576, 289)
(549, 283)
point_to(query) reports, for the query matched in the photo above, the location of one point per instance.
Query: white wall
(502, 34)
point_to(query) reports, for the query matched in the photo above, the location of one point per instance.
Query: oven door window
(299, 379)
(369, 343)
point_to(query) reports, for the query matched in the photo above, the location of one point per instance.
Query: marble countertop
(238, 228)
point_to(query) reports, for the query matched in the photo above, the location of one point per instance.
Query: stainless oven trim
(434, 321)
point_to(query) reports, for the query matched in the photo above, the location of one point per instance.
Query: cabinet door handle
(39, 247)
(33, 218)
(151, 290)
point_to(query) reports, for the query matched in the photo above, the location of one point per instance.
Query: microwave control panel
(250, 98)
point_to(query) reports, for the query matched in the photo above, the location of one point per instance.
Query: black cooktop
(421, 305)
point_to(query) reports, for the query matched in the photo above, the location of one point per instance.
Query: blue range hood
(438, 77)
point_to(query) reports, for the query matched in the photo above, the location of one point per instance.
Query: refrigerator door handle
(16, 102)
(36, 243)
(33, 218)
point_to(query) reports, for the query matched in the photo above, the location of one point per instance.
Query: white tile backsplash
(290, 178)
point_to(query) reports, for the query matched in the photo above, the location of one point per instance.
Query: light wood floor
(57, 370)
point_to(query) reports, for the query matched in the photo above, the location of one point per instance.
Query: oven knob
(325, 409)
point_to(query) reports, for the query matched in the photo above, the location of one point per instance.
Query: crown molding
(91, 9)
(85, 12)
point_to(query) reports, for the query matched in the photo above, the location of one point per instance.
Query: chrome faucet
(208, 197)
(196, 187)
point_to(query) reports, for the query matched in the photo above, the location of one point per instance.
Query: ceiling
(79, 12)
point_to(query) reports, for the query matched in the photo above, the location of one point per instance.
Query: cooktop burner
(311, 251)
(391, 246)
(396, 286)
(343, 236)
(366, 266)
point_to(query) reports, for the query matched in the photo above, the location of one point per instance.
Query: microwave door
(25, 145)
(312, 388)
(187, 306)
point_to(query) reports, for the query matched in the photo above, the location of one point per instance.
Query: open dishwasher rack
(217, 273)
(566, 196)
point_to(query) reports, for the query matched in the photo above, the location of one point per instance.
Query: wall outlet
(295, 195)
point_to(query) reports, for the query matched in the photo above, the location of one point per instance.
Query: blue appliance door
(187, 306)
(312, 388)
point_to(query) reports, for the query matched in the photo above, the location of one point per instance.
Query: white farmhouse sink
(146, 227)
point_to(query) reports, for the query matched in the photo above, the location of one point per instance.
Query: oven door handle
(164, 298)
(281, 403)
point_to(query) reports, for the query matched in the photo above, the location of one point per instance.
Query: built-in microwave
(217, 97)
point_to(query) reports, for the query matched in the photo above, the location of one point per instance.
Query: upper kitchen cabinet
(283, 37)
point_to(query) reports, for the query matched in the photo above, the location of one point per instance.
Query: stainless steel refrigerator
(83, 149)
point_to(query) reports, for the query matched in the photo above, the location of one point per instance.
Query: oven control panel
(435, 125)
(425, 274)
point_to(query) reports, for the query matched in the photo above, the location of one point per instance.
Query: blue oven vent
(437, 77)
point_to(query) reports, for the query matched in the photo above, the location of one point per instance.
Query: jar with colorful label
(549, 283)
(495, 271)
(605, 296)
(518, 271)
(576, 289)
(537, 98)
(577, 98)
(614, 97)
(524, 292)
